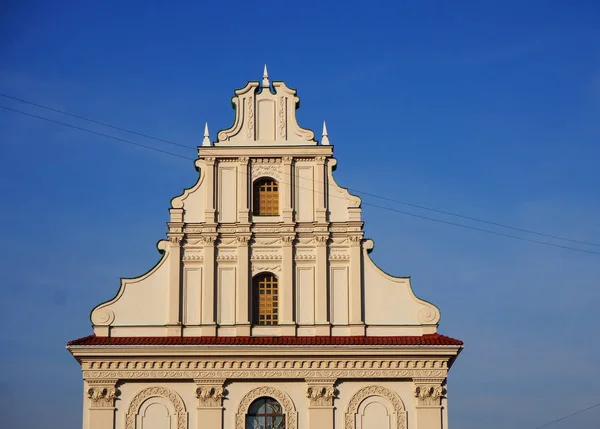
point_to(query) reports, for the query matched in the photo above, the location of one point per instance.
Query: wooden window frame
(265, 299)
(265, 197)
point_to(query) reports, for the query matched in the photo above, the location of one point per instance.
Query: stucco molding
(150, 392)
(289, 409)
(289, 370)
(366, 392)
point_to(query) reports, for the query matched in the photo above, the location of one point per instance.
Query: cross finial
(325, 138)
(265, 81)
(206, 139)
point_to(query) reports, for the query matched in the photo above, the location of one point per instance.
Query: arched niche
(154, 400)
(367, 398)
(291, 415)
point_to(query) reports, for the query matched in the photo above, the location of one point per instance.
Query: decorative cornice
(280, 369)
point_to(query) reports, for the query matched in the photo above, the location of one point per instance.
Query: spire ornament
(206, 139)
(325, 138)
(265, 81)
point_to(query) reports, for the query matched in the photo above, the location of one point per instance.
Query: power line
(529, 231)
(104, 124)
(474, 219)
(314, 190)
(488, 231)
(566, 417)
(96, 132)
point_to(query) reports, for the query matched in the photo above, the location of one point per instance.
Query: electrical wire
(104, 124)
(314, 190)
(567, 416)
(354, 190)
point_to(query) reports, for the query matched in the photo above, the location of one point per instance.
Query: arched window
(265, 300)
(266, 197)
(265, 413)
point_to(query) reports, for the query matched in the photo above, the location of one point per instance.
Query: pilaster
(209, 213)
(210, 394)
(208, 287)
(101, 396)
(174, 299)
(320, 193)
(287, 210)
(357, 326)
(286, 292)
(243, 188)
(321, 393)
(242, 287)
(428, 393)
(321, 290)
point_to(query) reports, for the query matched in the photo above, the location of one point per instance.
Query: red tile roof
(424, 340)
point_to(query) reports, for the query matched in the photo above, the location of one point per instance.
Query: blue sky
(488, 109)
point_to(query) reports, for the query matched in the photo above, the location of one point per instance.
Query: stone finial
(206, 139)
(325, 137)
(265, 81)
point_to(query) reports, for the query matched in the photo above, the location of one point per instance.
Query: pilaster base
(323, 330)
(288, 330)
(357, 330)
(174, 330)
(242, 330)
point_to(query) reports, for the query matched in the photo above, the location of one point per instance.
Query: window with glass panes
(265, 300)
(266, 197)
(265, 413)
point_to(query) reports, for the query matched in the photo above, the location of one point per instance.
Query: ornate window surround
(289, 409)
(355, 405)
(168, 395)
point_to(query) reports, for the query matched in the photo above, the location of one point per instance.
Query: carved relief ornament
(102, 397)
(320, 396)
(366, 392)
(149, 392)
(429, 394)
(289, 409)
(210, 396)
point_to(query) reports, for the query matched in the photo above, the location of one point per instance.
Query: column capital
(210, 393)
(320, 160)
(209, 240)
(243, 160)
(321, 240)
(429, 392)
(288, 240)
(287, 160)
(321, 391)
(102, 393)
(209, 160)
(176, 239)
(243, 240)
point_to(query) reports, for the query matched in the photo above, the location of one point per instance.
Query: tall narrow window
(266, 197)
(265, 413)
(265, 300)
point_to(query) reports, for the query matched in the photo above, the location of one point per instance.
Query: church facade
(265, 310)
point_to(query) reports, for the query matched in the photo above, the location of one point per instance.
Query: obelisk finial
(325, 137)
(265, 81)
(206, 139)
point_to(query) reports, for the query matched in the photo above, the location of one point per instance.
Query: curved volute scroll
(265, 117)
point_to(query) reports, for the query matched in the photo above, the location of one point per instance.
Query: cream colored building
(265, 309)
